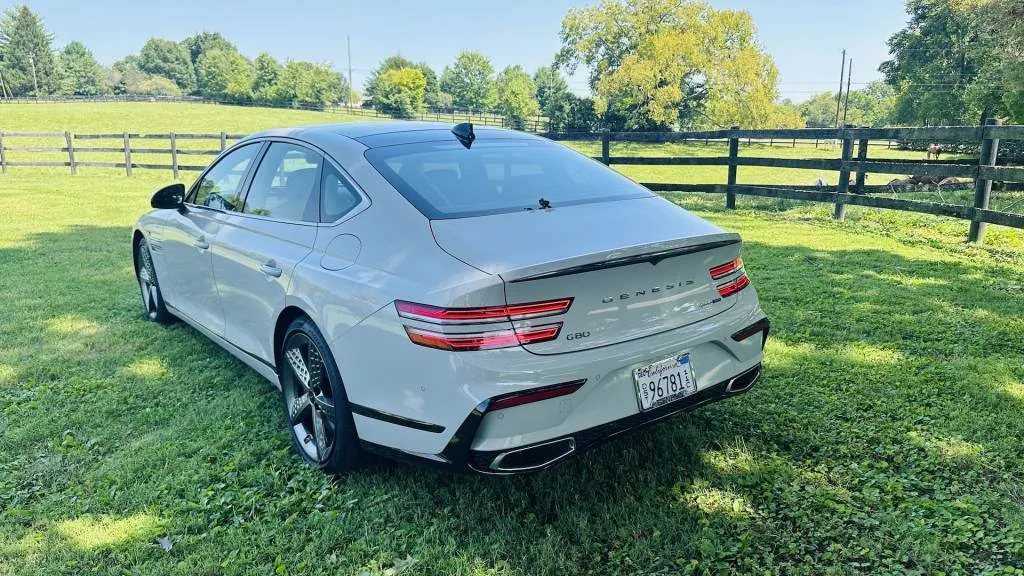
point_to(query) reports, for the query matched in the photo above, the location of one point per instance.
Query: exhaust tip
(744, 381)
(533, 457)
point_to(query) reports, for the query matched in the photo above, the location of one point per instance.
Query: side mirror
(170, 197)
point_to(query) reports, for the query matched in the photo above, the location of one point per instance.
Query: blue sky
(805, 37)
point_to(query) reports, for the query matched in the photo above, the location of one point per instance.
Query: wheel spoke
(325, 405)
(154, 298)
(146, 294)
(298, 366)
(319, 435)
(298, 406)
(316, 368)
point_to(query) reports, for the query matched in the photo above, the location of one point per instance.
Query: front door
(258, 248)
(187, 240)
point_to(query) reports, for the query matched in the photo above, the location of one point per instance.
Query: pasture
(885, 436)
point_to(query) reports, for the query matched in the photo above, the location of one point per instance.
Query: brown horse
(934, 149)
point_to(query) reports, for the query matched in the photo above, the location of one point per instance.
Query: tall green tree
(303, 84)
(432, 86)
(168, 59)
(944, 67)
(224, 73)
(656, 64)
(80, 74)
(516, 92)
(26, 47)
(470, 81)
(401, 92)
(551, 87)
(396, 62)
(266, 71)
(203, 42)
(871, 106)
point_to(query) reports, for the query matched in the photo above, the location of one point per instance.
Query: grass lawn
(885, 436)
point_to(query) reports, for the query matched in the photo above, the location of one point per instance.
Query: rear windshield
(445, 180)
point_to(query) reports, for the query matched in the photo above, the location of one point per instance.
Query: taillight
(726, 269)
(438, 315)
(736, 284)
(761, 326)
(485, 338)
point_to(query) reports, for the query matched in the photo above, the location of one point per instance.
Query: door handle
(270, 270)
(201, 244)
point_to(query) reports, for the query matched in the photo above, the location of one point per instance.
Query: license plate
(665, 381)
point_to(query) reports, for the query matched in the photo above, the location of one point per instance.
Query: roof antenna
(464, 132)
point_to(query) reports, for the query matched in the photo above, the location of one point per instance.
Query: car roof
(388, 133)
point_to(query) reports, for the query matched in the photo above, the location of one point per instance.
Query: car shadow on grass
(884, 436)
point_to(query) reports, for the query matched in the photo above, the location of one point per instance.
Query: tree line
(649, 65)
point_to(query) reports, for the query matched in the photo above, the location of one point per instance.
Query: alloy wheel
(147, 283)
(309, 398)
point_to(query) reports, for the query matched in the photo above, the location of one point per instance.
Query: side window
(221, 185)
(338, 195)
(286, 184)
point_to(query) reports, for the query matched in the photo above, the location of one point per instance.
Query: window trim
(243, 190)
(364, 199)
(252, 176)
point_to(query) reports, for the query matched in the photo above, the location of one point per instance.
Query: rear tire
(316, 407)
(152, 297)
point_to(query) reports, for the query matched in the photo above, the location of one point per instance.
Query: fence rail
(849, 191)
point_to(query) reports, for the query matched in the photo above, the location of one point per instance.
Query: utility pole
(839, 98)
(35, 84)
(849, 76)
(348, 41)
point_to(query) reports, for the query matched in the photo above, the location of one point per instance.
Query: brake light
(438, 315)
(726, 269)
(483, 340)
(537, 395)
(733, 286)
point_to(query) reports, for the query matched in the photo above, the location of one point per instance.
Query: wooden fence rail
(855, 142)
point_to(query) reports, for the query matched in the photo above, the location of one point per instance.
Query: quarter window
(338, 195)
(221, 185)
(286, 184)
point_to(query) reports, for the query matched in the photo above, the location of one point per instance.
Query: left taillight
(738, 279)
(484, 338)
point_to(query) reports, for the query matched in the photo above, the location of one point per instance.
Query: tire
(153, 304)
(316, 407)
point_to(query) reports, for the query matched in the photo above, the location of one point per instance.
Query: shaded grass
(884, 438)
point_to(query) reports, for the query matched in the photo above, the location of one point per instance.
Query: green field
(885, 437)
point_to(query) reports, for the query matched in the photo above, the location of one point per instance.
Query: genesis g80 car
(477, 298)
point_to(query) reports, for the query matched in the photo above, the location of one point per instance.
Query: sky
(806, 37)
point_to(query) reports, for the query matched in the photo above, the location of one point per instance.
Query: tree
(396, 62)
(80, 74)
(819, 111)
(655, 64)
(401, 92)
(570, 113)
(170, 60)
(203, 42)
(551, 87)
(469, 81)
(432, 89)
(26, 46)
(225, 74)
(157, 86)
(515, 92)
(944, 67)
(307, 84)
(266, 72)
(871, 106)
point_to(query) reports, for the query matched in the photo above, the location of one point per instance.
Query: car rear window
(446, 180)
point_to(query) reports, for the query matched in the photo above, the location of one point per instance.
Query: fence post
(71, 153)
(862, 155)
(983, 188)
(223, 141)
(606, 145)
(734, 152)
(127, 155)
(174, 155)
(844, 175)
(815, 142)
(3, 155)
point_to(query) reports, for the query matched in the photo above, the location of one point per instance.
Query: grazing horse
(934, 149)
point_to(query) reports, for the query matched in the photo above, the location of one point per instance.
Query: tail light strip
(726, 269)
(438, 315)
(483, 340)
(736, 284)
(536, 395)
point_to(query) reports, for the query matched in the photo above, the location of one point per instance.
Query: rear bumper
(459, 455)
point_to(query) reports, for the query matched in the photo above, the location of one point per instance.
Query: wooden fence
(854, 141)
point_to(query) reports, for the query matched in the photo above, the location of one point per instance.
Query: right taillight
(736, 283)
(485, 338)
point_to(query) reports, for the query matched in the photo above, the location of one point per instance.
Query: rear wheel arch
(284, 319)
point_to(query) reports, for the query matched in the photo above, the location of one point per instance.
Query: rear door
(259, 245)
(187, 238)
